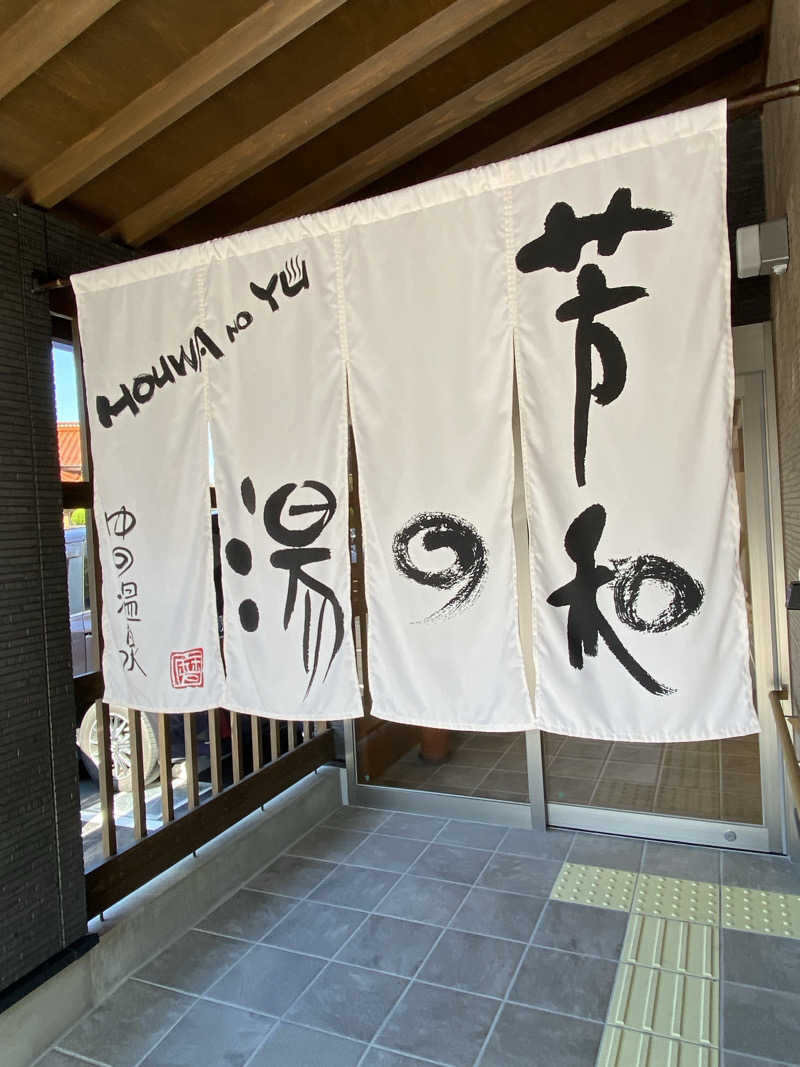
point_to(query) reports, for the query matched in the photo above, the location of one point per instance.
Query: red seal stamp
(186, 669)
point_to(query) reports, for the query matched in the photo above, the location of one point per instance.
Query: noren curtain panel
(595, 276)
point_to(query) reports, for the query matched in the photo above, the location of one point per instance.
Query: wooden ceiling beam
(421, 46)
(624, 87)
(239, 49)
(487, 96)
(44, 29)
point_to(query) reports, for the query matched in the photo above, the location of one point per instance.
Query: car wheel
(120, 747)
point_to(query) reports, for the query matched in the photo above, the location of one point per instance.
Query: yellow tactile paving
(665, 1003)
(761, 912)
(631, 1048)
(677, 898)
(673, 945)
(604, 887)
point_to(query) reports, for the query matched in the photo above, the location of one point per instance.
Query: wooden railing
(790, 758)
(281, 753)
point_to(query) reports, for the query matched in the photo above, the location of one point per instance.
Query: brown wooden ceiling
(167, 122)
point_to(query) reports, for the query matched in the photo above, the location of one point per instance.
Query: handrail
(789, 754)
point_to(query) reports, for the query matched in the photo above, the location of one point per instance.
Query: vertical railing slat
(215, 745)
(137, 774)
(236, 746)
(306, 731)
(257, 741)
(106, 779)
(190, 737)
(165, 770)
(274, 740)
(290, 736)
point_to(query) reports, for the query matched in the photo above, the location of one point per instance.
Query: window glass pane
(83, 631)
(70, 453)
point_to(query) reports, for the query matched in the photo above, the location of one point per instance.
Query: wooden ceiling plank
(624, 87)
(242, 47)
(421, 46)
(392, 151)
(44, 29)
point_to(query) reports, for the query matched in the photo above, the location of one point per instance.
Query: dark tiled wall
(750, 296)
(41, 866)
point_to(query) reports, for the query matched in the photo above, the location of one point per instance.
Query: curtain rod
(782, 91)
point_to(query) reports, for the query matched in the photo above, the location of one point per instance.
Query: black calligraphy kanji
(585, 621)
(565, 234)
(295, 557)
(468, 569)
(594, 297)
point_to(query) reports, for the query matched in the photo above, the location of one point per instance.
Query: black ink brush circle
(686, 594)
(439, 530)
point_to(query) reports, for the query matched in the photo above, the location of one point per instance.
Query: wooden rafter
(243, 46)
(485, 97)
(427, 42)
(44, 29)
(626, 86)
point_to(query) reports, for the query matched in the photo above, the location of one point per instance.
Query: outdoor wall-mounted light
(762, 249)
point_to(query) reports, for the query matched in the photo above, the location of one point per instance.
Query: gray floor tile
(54, 1058)
(423, 898)
(544, 844)
(355, 887)
(387, 853)
(293, 876)
(682, 861)
(623, 771)
(327, 843)
(247, 914)
(439, 1024)
(353, 818)
(520, 874)
(633, 752)
(579, 928)
(525, 1037)
(490, 742)
(473, 834)
(320, 929)
(211, 1035)
(576, 767)
(761, 1022)
(563, 790)
(472, 962)
(506, 782)
(387, 944)
(458, 776)
(513, 761)
(421, 827)
(600, 850)
(473, 757)
(771, 873)
(380, 1057)
(585, 747)
(193, 962)
(497, 914)
(348, 1001)
(761, 960)
(565, 982)
(267, 979)
(301, 1047)
(126, 1025)
(451, 862)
